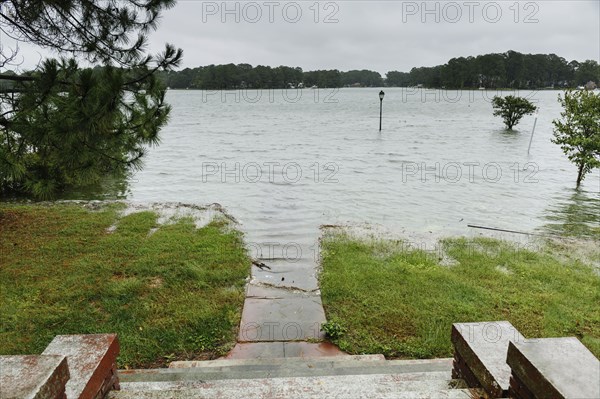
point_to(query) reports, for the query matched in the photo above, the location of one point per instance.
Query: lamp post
(381, 94)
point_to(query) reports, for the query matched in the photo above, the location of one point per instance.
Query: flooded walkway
(282, 311)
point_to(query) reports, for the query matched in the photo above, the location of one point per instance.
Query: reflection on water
(110, 188)
(576, 214)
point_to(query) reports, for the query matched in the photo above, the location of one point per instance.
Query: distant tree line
(506, 70)
(241, 76)
(511, 70)
(231, 76)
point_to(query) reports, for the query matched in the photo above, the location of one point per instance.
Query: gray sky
(377, 35)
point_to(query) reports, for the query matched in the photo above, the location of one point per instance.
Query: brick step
(71, 367)
(33, 376)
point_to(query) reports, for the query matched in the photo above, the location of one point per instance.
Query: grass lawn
(401, 302)
(171, 293)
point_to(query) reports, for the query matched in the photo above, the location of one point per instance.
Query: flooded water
(285, 162)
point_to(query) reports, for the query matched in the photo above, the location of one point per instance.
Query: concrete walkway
(282, 308)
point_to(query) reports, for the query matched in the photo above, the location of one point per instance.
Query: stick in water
(503, 230)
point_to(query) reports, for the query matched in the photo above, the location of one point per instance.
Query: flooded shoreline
(282, 169)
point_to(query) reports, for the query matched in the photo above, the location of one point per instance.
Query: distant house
(590, 85)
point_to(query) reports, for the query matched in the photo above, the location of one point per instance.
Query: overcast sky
(377, 35)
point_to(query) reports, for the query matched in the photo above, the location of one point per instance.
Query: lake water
(285, 162)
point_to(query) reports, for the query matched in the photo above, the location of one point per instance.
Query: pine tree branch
(17, 78)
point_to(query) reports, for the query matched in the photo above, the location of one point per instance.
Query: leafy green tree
(62, 125)
(578, 130)
(512, 109)
(492, 70)
(397, 79)
(364, 77)
(514, 69)
(587, 71)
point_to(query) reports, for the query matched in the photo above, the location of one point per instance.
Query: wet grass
(171, 293)
(401, 302)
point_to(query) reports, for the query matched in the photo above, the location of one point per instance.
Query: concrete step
(200, 394)
(291, 367)
(416, 385)
(270, 350)
(278, 361)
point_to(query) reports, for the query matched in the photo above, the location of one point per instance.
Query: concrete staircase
(491, 358)
(369, 376)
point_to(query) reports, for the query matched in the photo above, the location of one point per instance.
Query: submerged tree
(512, 109)
(62, 125)
(578, 130)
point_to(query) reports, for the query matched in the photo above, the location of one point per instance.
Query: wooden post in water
(532, 131)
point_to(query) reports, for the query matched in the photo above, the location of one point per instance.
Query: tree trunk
(580, 174)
